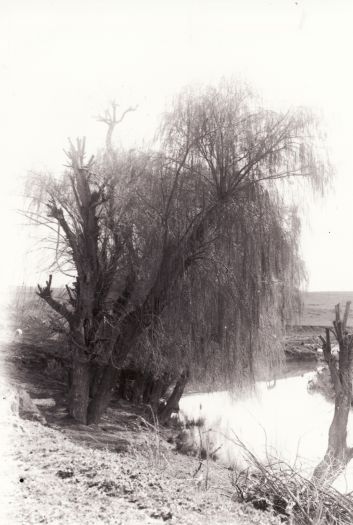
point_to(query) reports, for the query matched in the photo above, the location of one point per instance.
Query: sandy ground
(49, 478)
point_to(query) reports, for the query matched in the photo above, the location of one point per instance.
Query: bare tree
(111, 119)
(338, 454)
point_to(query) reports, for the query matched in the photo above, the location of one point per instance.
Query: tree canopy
(185, 258)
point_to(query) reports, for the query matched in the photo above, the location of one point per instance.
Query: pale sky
(62, 61)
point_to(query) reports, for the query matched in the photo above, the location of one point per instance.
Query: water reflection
(285, 421)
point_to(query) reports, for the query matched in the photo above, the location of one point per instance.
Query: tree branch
(58, 215)
(331, 361)
(346, 314)
(45, 293)
(111, 120)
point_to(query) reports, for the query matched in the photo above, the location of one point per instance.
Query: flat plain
(319, 307)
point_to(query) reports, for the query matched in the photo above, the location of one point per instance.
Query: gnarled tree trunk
(138, 388)
(174, 398)
(96, 373)
(103, 395)
(79, 389)
(338, 454)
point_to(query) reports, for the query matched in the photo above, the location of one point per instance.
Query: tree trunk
(122, 384)
(173, 401)
(138, 388)
(156, 394)
(69, 378)
(103, 395)
(338, 455)
(148, 388)
(96, 373)
(79, 391)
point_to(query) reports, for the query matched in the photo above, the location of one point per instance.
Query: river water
(286, 422)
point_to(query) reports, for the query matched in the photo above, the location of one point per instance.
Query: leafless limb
(111, 119)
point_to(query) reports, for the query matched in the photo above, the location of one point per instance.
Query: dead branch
(111, 120)
(45, 293)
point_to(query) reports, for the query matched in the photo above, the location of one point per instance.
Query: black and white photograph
(176, 272)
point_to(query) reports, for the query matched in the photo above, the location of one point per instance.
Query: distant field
(319, 307)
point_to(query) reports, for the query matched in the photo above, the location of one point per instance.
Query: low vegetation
(277, 486)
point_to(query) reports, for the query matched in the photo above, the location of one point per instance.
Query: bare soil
(122, 471)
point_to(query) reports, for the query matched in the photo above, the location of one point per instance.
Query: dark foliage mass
(183, 259)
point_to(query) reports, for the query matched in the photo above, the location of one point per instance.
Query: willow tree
(144, 232)
(338, 454)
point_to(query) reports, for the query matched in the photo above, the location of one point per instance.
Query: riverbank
(62, 475)
(123, 471)
(302, 343)
(58, 481)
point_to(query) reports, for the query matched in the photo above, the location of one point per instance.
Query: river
(285, 421)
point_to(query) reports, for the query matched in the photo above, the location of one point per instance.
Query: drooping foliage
(185, 259)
